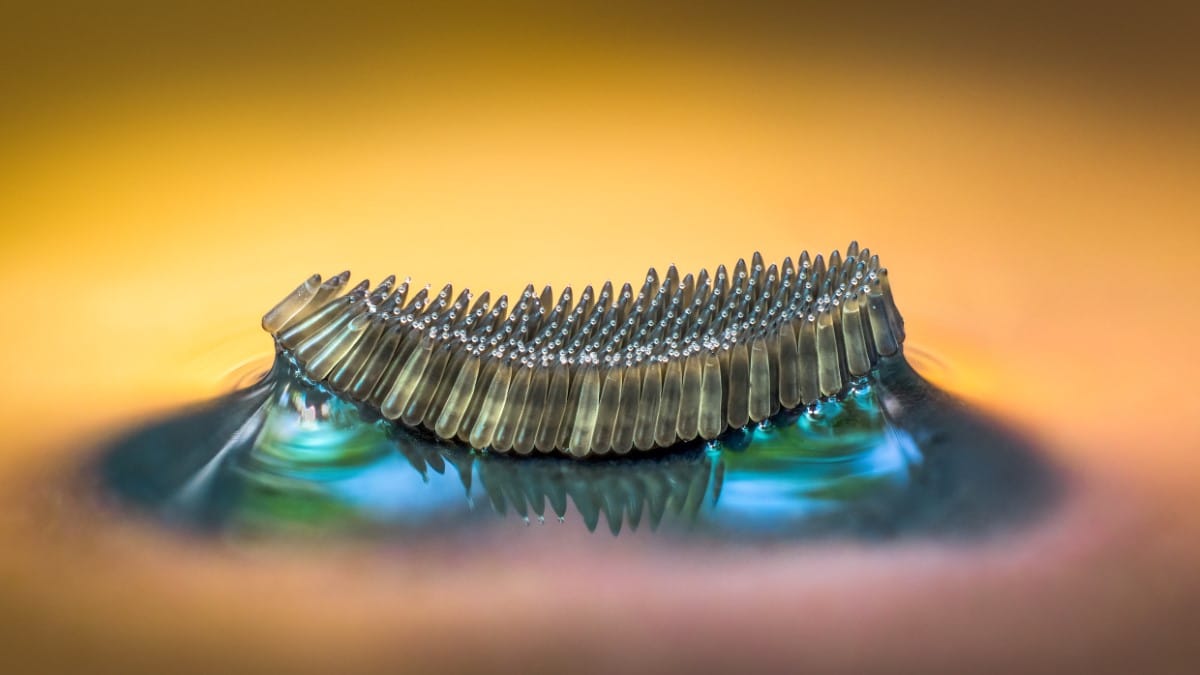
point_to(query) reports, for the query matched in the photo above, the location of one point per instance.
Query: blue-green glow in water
(818, 461)
(316, 463)
(286, 457)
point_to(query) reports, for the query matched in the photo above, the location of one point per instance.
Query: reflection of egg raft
(671, 487)
(680, 359)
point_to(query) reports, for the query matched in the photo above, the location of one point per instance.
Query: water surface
(894, 457)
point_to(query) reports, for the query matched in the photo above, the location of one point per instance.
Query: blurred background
(1028, 173)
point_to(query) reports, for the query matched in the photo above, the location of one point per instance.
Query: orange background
(167, 175)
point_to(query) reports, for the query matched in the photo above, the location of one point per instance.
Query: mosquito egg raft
(684, 358)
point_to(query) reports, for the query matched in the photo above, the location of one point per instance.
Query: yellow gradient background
(166, 176)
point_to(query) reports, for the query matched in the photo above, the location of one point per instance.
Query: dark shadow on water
(895, 458)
